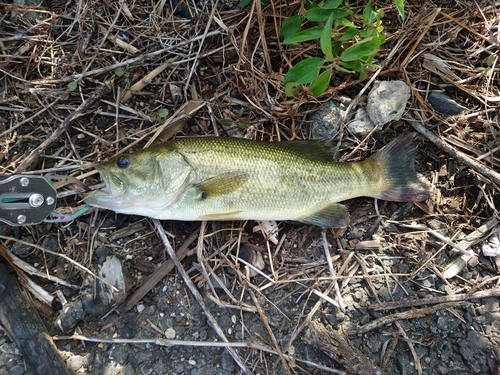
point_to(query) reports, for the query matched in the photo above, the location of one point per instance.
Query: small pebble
(361, 125)
(326, 121)
(170, 333)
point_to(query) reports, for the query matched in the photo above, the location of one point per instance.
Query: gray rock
(227, 362)
(4, 229)
(361, 125)
(31, 16)
(145, 369)
(387, 101)
(120, 354)
(76, 362)
(16, 370)
(22, 250)
(326, 122)
(442, 103)
(50, 242)
(129, 370)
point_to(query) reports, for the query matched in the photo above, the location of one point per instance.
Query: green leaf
(369, 16)
(330, 4)
(318, 14)
(305, 35)
(241, 112)
(353, 66)
(244, 3)
(305, 71)
(119, 72)
(320, 84)
(244, 124)
(362, 75)
(366, 47)
(72, 86)
(336, 47)
(226, 122)
(162, 112)
(400, 5)
(350, 33)
(343, 22)
(290, 89)
(490, 60)
(290, 27)
(326, 39)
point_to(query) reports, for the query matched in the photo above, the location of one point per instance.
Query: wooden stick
(495, 292)
(389, 319)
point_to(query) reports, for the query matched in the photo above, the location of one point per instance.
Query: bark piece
(26, 328)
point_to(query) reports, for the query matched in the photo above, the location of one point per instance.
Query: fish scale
(238, 179)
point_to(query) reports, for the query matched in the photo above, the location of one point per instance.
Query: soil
(376, 297)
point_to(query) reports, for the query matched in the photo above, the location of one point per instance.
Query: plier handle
(31, 199)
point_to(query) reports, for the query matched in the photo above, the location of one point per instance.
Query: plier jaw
(26, 199)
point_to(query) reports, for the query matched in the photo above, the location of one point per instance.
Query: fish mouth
(111, 193)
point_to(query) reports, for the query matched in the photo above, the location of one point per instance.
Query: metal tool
(31, 199)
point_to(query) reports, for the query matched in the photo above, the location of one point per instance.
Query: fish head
(142, 183)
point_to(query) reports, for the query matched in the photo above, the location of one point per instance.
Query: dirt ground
(404, 289)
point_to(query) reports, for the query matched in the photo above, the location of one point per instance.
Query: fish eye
(122, 162)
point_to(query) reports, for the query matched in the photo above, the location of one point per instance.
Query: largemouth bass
(238, 179)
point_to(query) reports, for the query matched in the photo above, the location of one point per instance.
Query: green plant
(346, 47)
(71, 90)
(244, 3)
(242, 122)
(156, 115)
(123, 72)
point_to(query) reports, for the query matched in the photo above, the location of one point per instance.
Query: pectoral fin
(333, 215)
(221, 184)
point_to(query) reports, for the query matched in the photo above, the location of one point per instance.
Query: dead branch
(337, 347)
(495, 292)
(389, 319)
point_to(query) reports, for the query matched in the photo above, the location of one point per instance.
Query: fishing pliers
(31, 199)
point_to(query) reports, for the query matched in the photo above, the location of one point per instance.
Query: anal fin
(230, 215)
(333, 215)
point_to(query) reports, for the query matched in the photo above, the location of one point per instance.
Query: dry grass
(224, 66)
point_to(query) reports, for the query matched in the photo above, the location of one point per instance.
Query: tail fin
(399, 180)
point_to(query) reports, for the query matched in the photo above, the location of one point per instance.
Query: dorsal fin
(320, 150)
